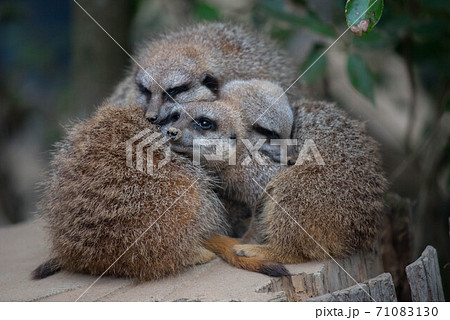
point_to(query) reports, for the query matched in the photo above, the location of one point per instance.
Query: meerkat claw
(240, 251)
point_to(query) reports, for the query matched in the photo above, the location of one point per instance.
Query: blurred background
(56, 64)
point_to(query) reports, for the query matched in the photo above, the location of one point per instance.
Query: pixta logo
(143, 146)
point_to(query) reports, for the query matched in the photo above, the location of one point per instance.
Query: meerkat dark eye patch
(265, 132)
(142, 89)
(173, 92)
(210, 82)
(205, 124)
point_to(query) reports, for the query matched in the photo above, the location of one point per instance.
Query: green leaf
(360, 76)
(275, 9)
(204, 11)
(363, 15)
(318, 67)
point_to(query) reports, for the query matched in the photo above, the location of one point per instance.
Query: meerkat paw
(204, 256)
(248, 250)
(240, 251)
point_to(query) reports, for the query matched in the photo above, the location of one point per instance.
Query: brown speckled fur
(340, 204)
(96, 206)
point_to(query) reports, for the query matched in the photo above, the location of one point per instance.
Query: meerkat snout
(174, 133)
(152, 118)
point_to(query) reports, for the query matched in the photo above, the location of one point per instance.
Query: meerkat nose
(173, 133)
(152, 118)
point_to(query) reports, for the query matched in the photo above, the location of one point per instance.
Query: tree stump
(424, 277)
(379, 289)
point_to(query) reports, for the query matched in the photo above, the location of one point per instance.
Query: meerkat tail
(46, 269)
(222, 246)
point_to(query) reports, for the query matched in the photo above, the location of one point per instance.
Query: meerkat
(338, 204)
(104, 215)
(193, 64)
(311, 211)
(239, 117)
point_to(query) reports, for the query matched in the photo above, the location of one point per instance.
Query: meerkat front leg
(204, 256)
(250, 236)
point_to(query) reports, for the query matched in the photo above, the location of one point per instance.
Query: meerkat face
(206, 125)
(266, 112)
(172, 73)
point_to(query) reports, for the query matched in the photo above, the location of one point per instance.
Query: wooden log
(424, 277)
(382, 288)
(314, 279)
(379, 289)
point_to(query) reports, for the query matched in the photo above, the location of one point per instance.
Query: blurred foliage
(418, 30)
(421, 25)
(315, 65)
(275, 9)
(34, 58)
(204, 11)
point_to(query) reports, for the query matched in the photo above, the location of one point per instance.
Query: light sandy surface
(23, 247)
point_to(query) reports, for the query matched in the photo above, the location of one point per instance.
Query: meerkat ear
(211, 82)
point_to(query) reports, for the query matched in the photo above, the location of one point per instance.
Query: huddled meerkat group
(223, 83)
